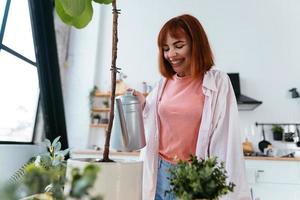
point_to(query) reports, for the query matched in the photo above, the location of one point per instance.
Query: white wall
(78, 80)
(12, 157)
(258, 39)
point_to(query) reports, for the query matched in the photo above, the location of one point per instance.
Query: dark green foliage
(43, 177)
(200, 179)
(44, 173)
(17, 176)
(92, 98)
(277, 129)
(81, 182)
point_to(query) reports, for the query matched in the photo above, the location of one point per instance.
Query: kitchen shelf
(99, 125)
(101, 109)
(94, 110)
(105, 94)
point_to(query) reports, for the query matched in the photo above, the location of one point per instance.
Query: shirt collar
(209, 81)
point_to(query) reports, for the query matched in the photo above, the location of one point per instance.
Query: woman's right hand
(139, 95)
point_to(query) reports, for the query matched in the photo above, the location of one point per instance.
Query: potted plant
(123, 176)
(78, 13)
(277, 132)
(200, 179)
(92, 101)
(44, 177)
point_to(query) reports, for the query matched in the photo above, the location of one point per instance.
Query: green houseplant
(79, 13)
(277, 132)
(124, 175)
(44, 177)
(200, 179)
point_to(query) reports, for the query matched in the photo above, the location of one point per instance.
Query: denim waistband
(165, 163)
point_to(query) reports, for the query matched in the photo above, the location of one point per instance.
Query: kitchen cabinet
(274, 179)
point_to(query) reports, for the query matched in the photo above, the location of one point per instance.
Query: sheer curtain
(62, 32)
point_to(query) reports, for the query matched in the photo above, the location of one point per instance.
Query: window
(29, 73)
(19, 84)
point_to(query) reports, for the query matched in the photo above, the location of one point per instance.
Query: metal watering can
(128, 128)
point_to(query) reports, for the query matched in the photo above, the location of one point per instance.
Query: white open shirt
(219, 134)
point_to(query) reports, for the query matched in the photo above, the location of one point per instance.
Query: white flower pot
(120, 180)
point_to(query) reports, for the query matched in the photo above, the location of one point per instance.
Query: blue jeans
(163, 181)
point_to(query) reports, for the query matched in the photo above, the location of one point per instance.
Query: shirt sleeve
(226, 140)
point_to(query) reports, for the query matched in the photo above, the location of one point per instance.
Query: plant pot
(116, 180)
(277, 136)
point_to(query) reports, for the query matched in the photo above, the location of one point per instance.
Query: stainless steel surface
(128, 129)
(122, 122)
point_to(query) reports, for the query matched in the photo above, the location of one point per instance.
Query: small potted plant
(277, 132)
(44, 178)
(200, 179)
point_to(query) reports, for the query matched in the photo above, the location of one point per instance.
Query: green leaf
(73, 7)
(72, 18)
(103, 1)
(55, 141)
(55, 162)
(81, 182)
(85, 18)
(200, 179)
(47, 143)
(65, 152)
(66, 18)
(57, 146)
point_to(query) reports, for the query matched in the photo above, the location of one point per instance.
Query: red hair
(201, 55)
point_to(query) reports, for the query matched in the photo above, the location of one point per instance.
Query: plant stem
(113, 81)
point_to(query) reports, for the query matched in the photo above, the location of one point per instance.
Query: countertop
(272, 158)
(98, 153)
(90, 153)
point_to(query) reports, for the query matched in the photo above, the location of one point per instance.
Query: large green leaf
(83, 20)
(74, 7)
(64, 16)
(103, 1)
(77, 17)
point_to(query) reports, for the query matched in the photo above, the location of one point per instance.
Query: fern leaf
(18, 175)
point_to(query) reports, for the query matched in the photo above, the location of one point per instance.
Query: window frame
(51, 98)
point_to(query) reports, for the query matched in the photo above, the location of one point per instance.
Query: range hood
(244, 102)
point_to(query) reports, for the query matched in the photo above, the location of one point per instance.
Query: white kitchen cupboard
(274, 179)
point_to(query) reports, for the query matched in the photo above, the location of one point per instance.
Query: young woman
(192, 110)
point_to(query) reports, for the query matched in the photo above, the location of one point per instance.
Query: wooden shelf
(101, 109)
(105, 94)
(99, 125)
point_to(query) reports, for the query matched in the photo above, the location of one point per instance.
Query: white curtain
(62, 32)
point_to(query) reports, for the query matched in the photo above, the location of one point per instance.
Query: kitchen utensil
(289, 136)
(247, 147)
(128, 129)
(298, 134)
(264, 143)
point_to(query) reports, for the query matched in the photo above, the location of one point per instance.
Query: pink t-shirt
(180, 111)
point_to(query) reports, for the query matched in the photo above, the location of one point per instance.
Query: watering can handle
(129, 92)
(123, 122)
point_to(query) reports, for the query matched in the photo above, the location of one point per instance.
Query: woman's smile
(177, 51)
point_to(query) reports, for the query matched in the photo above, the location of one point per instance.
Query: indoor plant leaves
(103, 1)
(77, 13)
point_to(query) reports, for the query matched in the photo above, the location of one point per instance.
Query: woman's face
(177, 51)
